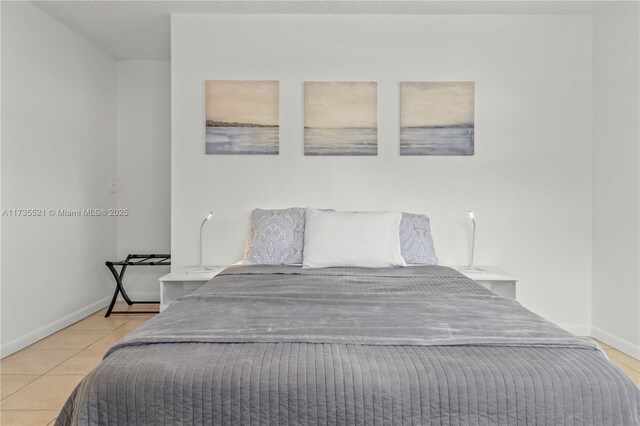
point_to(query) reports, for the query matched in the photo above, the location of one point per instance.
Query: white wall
(144, 169)
(58, 151)
(529, 182)
(616, 178)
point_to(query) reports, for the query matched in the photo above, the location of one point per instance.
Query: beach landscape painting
(340, 118)
(242, 117)
(437, 118)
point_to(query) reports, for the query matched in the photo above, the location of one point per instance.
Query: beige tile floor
(35, 382)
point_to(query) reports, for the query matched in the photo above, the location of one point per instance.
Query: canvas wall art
(437, 118)
(242, 117)
(340, 118)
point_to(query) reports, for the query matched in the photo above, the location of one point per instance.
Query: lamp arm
(473, 241)
(200, 251)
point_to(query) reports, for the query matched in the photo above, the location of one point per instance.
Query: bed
(285, 345)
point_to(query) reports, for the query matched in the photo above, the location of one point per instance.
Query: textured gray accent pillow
(416, 242)
(276, 237)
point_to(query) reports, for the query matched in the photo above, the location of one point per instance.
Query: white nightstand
(493, 279)
(179, 283)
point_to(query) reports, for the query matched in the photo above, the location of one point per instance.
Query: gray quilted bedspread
(284, 345)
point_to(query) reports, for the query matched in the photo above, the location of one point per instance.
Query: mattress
(285, 345)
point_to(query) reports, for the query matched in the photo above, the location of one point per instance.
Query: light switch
(113, 185)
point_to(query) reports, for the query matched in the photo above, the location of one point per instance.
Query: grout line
(28, 410)
(42, 374)
(78, 351)
(6, 396)
(83, 349)
(622, 354)
(61, 349)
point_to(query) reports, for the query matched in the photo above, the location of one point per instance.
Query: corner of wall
(615, 301)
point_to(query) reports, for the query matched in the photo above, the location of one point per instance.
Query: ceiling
(141, 29)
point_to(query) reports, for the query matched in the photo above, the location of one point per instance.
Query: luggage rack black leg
(119, 287)
(164, 260)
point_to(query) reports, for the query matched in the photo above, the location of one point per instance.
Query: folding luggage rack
(133, 260)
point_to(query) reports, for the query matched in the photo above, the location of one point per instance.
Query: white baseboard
(616, 342)
(23, 341)
(577, 329)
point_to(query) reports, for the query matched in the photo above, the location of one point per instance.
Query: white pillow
(361, 239)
